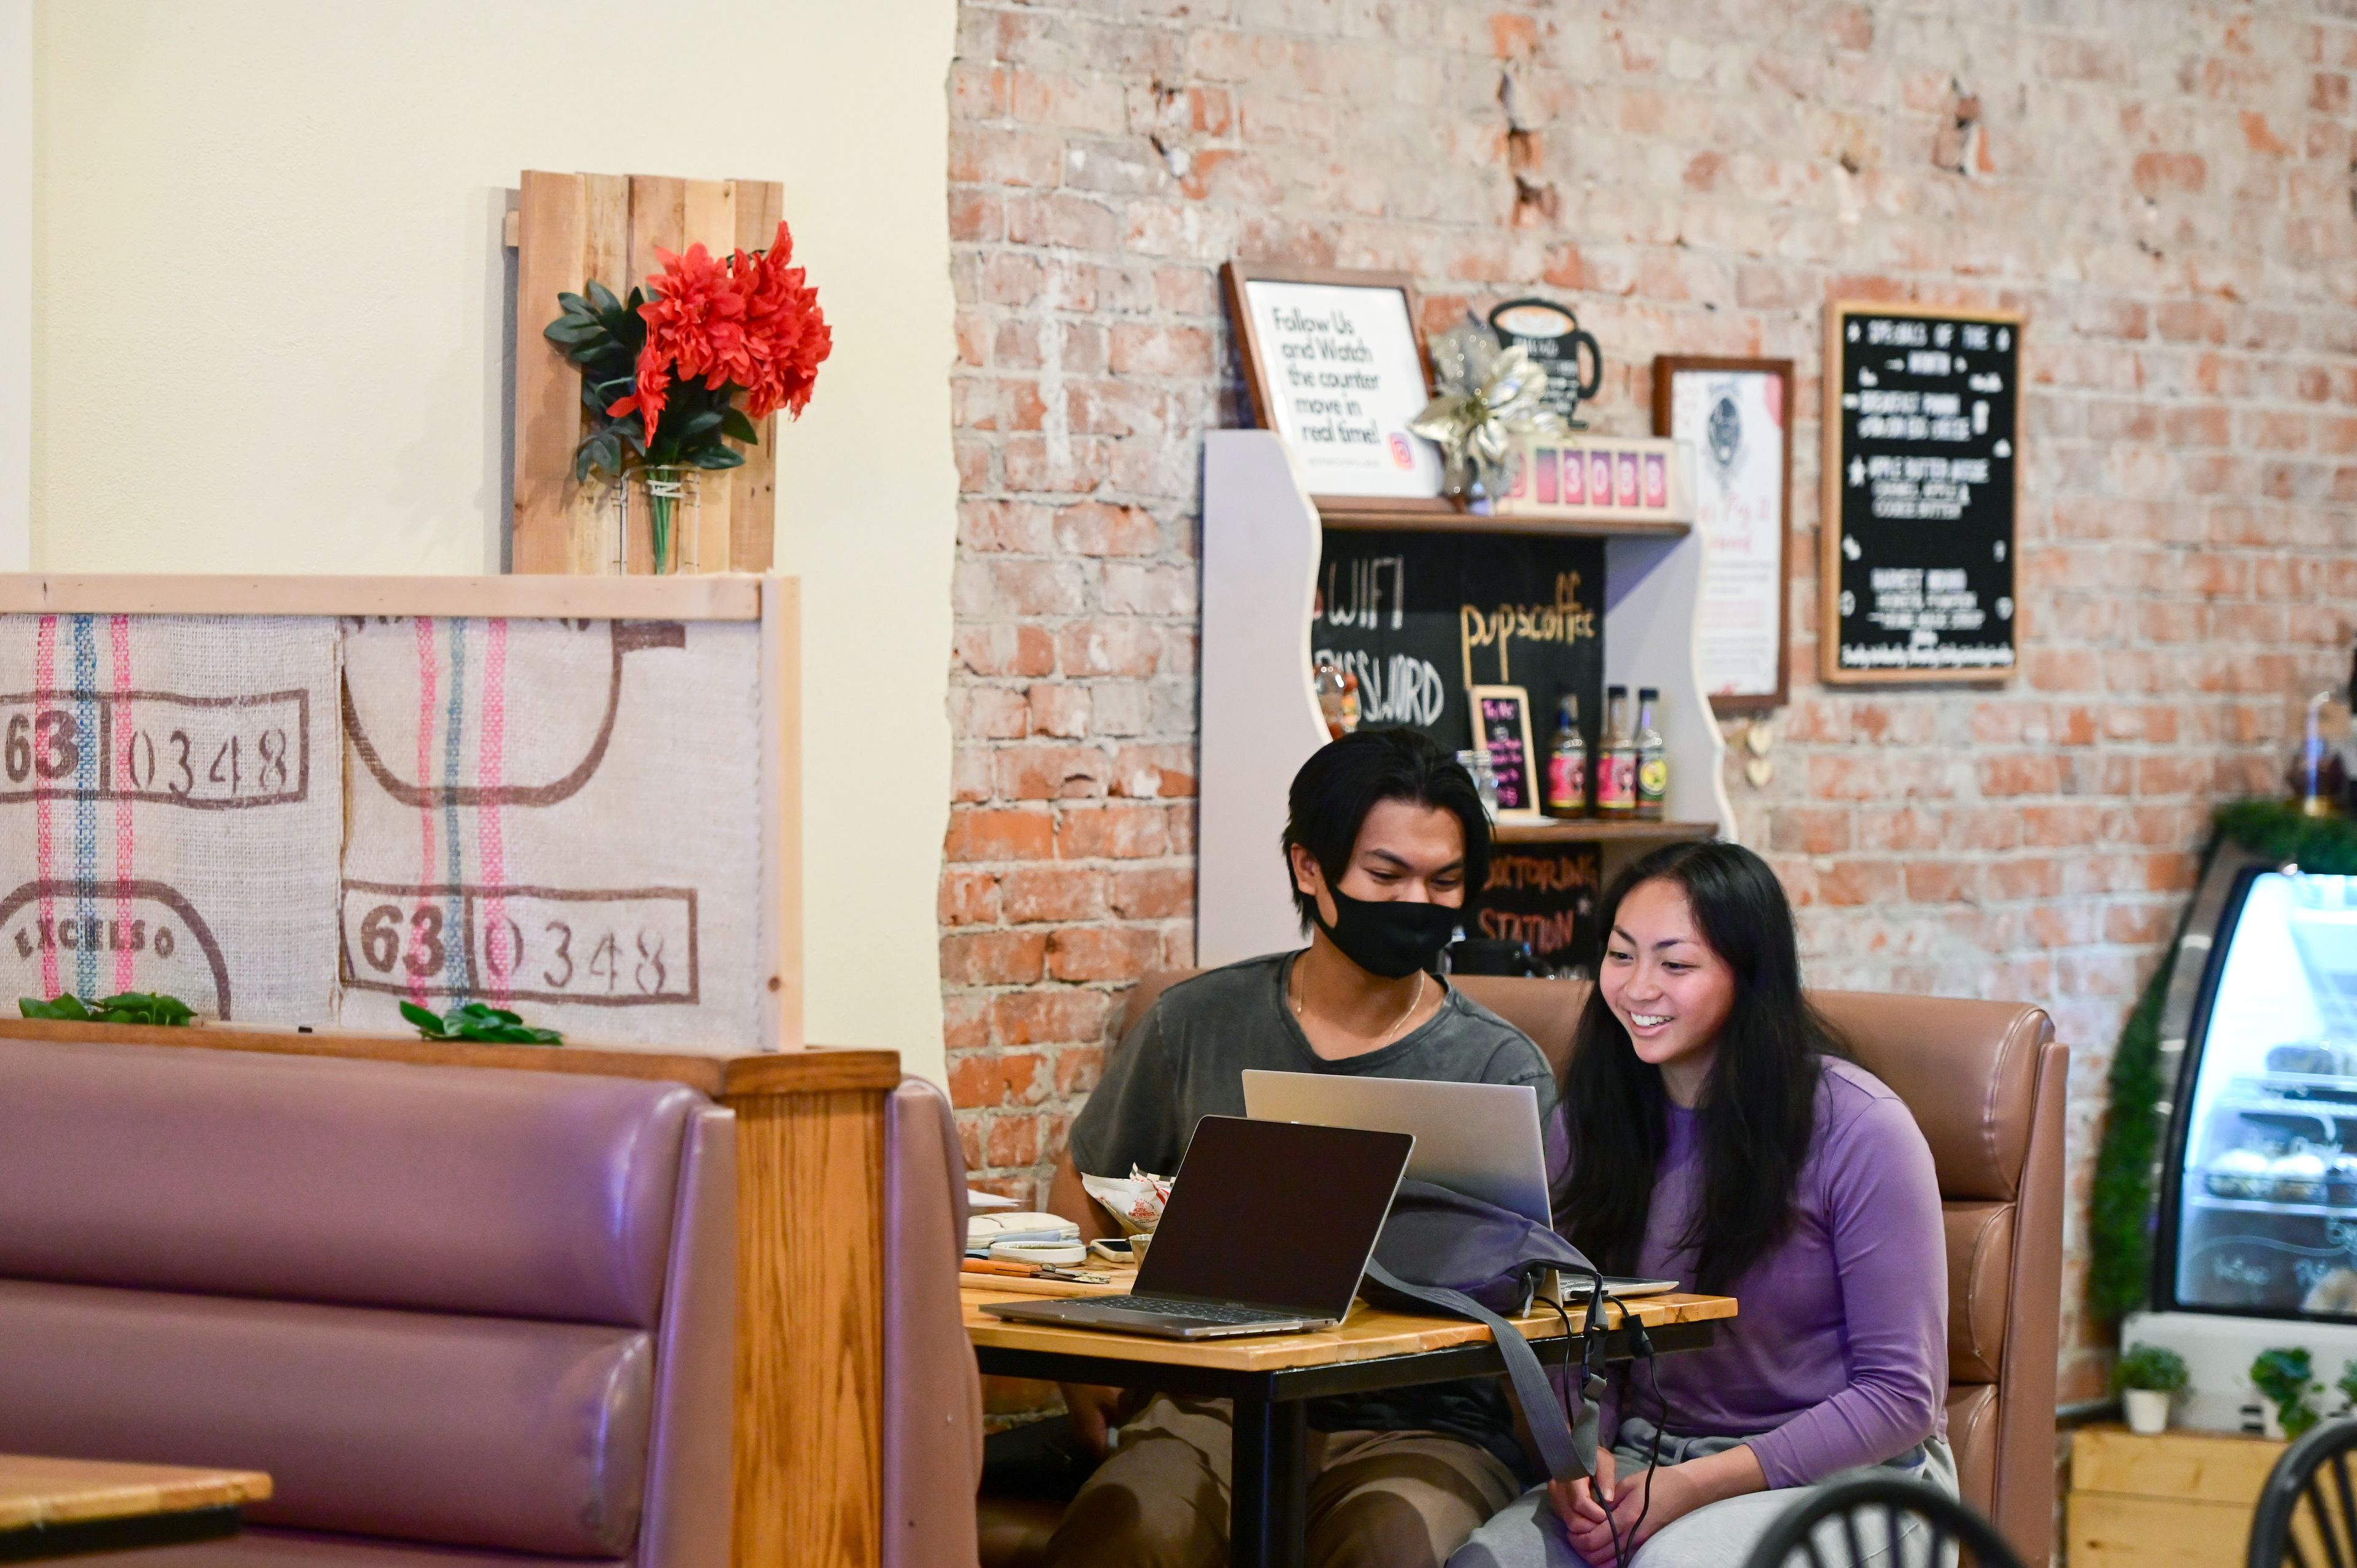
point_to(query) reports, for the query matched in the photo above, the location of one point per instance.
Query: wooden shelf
(1592, 830)
(1376, 515)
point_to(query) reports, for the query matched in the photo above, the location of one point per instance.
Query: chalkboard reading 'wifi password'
(1922, 453)
(1420, 618)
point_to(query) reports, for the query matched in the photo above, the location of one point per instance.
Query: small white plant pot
(2147, 1410)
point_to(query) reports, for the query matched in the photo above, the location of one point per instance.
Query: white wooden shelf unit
(1263, 538)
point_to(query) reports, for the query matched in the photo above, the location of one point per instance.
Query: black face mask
(1390, 937)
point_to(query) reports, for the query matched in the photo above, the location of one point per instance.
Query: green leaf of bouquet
(739, 426)
(427, 1022)
(601, 296)
(720, 457)
(572, 304)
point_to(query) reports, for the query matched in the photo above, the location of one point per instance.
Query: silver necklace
(1300, 989)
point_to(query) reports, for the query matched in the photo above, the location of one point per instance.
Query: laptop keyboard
(1208, 1311)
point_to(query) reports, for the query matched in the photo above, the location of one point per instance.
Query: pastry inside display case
(2267, 1212)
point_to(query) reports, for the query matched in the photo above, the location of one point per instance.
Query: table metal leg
(1268, 1503)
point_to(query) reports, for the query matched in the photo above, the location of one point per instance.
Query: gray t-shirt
(1185, 1061)
(1186, 1058)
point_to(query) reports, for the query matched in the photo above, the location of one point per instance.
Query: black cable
(1654, 1459)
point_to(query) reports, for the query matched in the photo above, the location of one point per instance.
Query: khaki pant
(1377, 1500)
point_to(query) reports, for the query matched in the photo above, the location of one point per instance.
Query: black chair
(1888, 1500)
(2298, 1522)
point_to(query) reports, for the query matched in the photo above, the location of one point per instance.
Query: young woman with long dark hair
(1721, 1136)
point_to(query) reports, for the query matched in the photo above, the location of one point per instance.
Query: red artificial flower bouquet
(661, 372)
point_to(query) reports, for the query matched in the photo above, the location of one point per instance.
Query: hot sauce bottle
(1566, 770)
(1616, 764)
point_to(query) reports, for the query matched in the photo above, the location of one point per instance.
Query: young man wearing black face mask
(1385, 842)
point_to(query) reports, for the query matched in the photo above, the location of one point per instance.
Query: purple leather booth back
(370, 1184)
(421, 1426)
(425, 1299)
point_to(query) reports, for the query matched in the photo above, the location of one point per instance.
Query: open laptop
(1268, 1228)
(1479, 1139)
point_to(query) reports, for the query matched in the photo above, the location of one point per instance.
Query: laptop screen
(1277, 1214)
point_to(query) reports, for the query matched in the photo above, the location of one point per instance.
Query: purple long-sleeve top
(1839, 1353)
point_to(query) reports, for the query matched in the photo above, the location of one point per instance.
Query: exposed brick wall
(2165, 189)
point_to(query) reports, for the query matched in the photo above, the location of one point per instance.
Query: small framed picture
(1735, 416)
(1335, 366)
(1502, 726)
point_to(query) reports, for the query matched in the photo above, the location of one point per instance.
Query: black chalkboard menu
(1922, 438)
(1543, 896)
(1421, 618)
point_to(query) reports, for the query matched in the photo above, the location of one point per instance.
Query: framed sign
(1336, 368)
(1922, 480)
(1735, 418)
(1552, 335)
(1502, 726)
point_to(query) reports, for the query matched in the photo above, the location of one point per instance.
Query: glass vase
(657, 512)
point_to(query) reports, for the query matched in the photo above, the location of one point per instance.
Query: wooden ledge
(709, 596)
(817, 1070)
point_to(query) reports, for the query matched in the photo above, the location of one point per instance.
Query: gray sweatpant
(1721, 1535)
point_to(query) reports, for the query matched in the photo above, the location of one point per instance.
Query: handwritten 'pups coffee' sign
(1335, 370)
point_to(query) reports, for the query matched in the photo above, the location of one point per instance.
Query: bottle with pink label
(1616, 761)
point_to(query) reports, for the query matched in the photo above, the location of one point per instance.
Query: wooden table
(64, 1508)
(1268, 1376)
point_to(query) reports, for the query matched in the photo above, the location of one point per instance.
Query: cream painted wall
(16, 284)
(270, 333)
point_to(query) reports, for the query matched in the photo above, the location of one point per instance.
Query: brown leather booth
(1985, 1081)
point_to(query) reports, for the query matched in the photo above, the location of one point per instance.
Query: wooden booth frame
(1411, 510)
(1666, 369)
(1829, 529)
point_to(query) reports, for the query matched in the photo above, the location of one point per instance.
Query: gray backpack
(1443, 1252)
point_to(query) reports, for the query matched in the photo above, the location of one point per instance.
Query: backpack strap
(1565, 1448)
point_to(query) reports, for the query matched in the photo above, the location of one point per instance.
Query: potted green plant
(2147, 1379)
(2287, 1380)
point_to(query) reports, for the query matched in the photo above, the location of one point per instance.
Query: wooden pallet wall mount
(569, 229)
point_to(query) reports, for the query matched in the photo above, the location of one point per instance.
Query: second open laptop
(1268, 1228)
(1480, 1139)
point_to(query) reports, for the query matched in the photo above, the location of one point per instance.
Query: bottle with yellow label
(1567, 772)
(1652, 761)
(1616, 759)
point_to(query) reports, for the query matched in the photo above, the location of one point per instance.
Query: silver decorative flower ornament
(1490, 401)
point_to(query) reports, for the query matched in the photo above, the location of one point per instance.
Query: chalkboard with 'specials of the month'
(1922, 438)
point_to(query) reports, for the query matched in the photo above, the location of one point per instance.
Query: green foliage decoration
(124, 1007)
(478, 1022)
(2289, 1382)
(2152, 1368)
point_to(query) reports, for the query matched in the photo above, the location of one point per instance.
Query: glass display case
(2259, 1206)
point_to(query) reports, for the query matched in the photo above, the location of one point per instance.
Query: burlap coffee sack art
(171, 812)
(555, 816)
